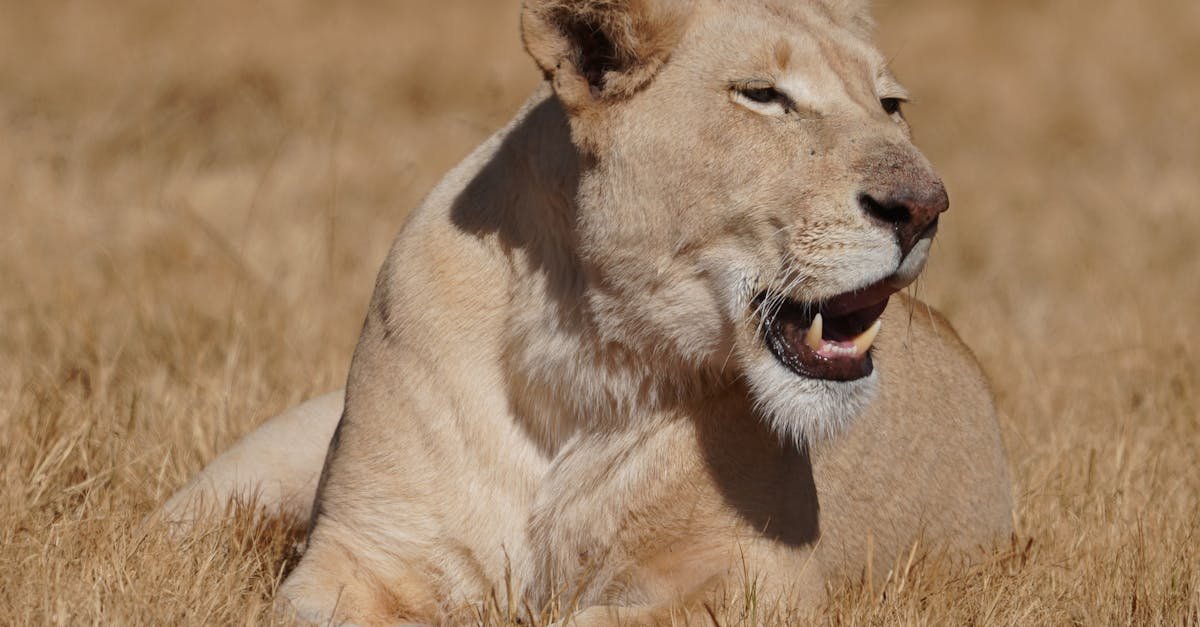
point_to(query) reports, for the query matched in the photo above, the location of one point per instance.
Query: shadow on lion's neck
(524, 197)
(523, 202)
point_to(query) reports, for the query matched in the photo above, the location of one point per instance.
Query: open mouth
(831, 339)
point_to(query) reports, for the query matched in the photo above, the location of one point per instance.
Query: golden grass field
(195, 197)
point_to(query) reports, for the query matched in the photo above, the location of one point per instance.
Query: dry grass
(194, 199)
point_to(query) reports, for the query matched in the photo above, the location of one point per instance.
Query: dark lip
(846, 316)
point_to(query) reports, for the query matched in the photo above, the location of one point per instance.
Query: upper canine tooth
(863, 342)
(815, 333)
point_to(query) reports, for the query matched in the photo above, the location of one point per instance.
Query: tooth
(863, 342)
(814, 336)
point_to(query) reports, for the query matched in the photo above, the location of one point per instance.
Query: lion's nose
(912, 213)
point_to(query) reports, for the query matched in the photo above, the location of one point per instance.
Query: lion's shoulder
(924, 342)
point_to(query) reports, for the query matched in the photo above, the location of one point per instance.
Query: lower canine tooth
(863, 342)
(813, 337)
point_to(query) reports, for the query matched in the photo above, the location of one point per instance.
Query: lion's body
(540, 396)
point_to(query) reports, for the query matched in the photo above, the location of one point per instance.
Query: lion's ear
(598, 50)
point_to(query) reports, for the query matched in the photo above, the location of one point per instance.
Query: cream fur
(562, 381)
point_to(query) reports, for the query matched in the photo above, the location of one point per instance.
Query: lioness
(636, 351)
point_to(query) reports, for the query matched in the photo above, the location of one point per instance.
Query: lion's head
(751, 196)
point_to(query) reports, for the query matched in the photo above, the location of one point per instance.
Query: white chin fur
(803, 409)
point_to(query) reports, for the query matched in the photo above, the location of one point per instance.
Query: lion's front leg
(422, 506)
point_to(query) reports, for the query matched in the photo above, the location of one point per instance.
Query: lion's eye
(764, 98)
(763, 95)
(891, 106)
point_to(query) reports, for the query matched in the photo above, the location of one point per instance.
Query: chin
(801, 409)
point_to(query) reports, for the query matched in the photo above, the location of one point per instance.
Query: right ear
(596, 51)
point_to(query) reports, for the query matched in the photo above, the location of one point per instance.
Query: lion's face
(753, 205)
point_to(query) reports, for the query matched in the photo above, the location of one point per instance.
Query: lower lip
(814, 366)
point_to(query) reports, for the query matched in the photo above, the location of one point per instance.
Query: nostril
(892, 213)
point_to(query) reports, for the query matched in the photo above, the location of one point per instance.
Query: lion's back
(924, 463)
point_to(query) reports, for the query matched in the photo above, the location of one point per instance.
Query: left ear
(596, 51)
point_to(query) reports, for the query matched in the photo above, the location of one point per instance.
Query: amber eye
(891, 106)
